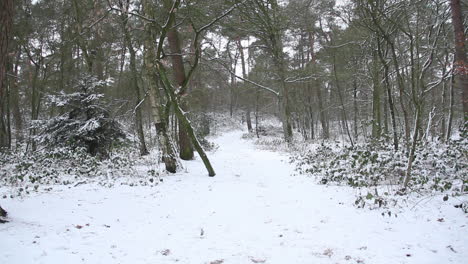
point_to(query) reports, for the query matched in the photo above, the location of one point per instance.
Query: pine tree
(85, 123)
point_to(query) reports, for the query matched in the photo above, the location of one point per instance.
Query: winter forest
(233, 131)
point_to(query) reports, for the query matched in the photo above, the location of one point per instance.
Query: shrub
(85, 123)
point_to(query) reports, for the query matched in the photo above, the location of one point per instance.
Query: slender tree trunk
(35, 103)
(452, 102)
(134, 80)
(248, 117)
(233, 84)
(391, 105)
(340, 97)
(414, 144)
(15, 102)
(82, 43)
(376, 113)
(443, 121)
(96, 47)
(310, 110)
(356, 109)
(318, 91)
(256, 112)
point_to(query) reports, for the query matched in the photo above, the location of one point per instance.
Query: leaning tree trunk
(169, 90)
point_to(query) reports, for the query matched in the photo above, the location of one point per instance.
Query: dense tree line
(392, 71)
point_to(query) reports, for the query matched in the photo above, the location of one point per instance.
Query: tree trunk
(391, 105)
(450, 114)
(134, 80)
(15, 102)
(318, 91)
(356, 109)
(256, 113)
(340, 97)
(165, 144)
(185, 122)
(35, 103)
(414, 144)
(248, 117)
(376, 113)
(185, 146)
(6, 21)
(82, 43)
(460, 65)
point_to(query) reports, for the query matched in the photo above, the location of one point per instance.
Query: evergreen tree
(86, 122)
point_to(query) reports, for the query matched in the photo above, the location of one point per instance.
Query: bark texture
(460, 64)
(165, 144)
(6, 21)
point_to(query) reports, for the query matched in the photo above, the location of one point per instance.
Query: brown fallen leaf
(79, 226)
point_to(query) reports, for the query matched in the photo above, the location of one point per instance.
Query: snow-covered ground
(253, 211)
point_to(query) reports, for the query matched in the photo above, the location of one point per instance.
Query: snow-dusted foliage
(47, 169)
(85, 123)
(437, 168)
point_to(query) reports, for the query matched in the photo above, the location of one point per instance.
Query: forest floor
(253, 211)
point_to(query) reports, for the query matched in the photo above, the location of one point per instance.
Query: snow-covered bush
(437, 168)
(41, 170)
(85, 123)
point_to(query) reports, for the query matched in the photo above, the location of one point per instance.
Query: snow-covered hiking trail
(253, 211)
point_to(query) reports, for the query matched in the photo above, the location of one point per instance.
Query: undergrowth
(378, 170)
(41, 170)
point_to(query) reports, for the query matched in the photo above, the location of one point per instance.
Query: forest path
(253, 211)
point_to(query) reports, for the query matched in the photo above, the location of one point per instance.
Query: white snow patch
(253, 211)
